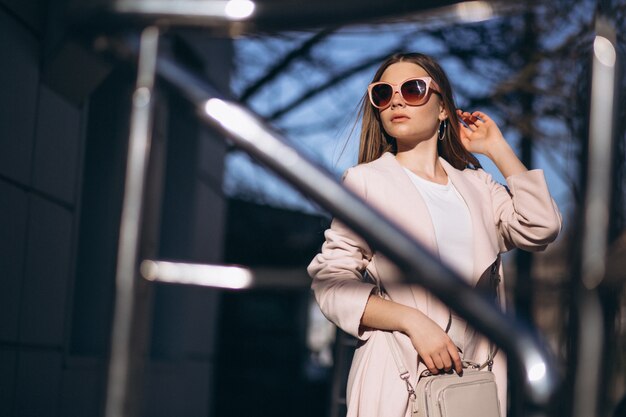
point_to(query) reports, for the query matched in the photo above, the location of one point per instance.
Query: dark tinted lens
(381, 94)
(413, 91)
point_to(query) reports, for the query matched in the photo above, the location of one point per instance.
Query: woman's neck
(423, 160)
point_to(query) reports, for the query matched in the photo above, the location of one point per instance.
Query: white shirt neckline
(428, 182)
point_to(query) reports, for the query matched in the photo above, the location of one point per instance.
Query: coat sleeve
(337, 271)
(526, 215)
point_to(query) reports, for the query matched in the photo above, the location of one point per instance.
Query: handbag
(472, 394)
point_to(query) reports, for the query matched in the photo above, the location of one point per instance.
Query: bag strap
(494, 280)
(397, 358)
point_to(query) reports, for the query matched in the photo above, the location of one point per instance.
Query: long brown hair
(375, 141)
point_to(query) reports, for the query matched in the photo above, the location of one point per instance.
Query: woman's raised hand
(481, 135)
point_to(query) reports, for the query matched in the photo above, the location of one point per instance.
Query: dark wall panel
(32, 13)
(8, 360)
(57, 146)
(101, 204)
(19, 77)
(47, 274)
(82, 387)
(38, 384)
(14, 209)
(177, 389)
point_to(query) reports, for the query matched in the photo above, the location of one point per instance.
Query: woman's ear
(443, 113)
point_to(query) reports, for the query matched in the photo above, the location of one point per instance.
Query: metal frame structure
(123, 363)
(595, 224)
(535, 369)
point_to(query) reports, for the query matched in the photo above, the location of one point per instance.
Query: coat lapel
(482, 221)
(410, 210)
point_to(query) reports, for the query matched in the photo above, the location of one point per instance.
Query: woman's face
(407, 123)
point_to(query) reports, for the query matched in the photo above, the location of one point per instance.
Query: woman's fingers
(456, 359)
(433, 346)
(474, 119)
(434, 363)
(445, 360)
(430, 364)
(471, 122)
(438, 361)
(482, 116)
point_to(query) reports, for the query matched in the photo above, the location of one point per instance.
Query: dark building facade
(64, 126)
(63, 139)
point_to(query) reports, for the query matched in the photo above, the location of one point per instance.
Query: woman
(416, 167)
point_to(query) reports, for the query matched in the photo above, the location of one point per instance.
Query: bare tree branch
(336, 79)
(282, 65)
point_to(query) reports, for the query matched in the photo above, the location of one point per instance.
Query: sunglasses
(413, 91)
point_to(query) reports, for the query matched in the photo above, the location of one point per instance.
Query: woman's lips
(399, 118)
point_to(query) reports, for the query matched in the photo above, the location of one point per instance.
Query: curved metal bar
(269, 15)
(252, 135)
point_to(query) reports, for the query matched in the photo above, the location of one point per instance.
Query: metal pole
(596, 220)
(123, 387)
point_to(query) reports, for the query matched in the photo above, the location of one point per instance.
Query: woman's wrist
(411, 320)
(498, 150)
(505, 158)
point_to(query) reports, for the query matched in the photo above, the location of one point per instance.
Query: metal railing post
(595, 227)
(125, 363)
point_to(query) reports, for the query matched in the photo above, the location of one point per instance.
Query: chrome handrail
(270, 15)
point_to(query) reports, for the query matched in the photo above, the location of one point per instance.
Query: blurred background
(64, 124)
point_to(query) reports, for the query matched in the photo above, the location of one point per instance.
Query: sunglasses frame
(430, 85)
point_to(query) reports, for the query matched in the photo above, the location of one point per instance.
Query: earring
(442, 129)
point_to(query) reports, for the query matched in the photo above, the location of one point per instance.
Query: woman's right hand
(433, 345)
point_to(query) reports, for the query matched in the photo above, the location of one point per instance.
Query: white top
(453, 231)
(452, 224)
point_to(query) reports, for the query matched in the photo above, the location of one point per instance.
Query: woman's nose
(397, 100)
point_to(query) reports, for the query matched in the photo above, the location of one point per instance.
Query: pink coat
(528, 219)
